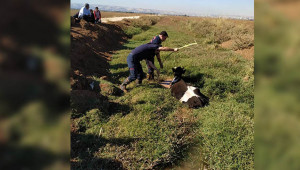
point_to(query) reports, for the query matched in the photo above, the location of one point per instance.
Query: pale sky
(218, 7)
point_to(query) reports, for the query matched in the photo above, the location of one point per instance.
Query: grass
(147, 128)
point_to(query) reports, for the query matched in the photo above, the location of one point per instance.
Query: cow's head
(178, 71)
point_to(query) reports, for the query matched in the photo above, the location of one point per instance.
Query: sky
(201, 7)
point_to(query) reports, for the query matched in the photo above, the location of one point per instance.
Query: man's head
(178, 71)
(96, 8)
(87, 6)
(163, 35)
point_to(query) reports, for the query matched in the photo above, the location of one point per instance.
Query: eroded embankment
(91, 48)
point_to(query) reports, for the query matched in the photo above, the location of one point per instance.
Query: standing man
(143, 52)
(84, 13)
(156, 40)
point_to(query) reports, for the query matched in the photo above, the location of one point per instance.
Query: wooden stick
(187, 45)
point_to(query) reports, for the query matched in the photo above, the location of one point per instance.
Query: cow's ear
(173, 69)
(183, 71)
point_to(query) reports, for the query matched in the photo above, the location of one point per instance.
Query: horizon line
(177, 13)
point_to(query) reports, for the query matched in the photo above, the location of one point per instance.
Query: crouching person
(143, 52)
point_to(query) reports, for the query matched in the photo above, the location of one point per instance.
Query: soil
(247, 53)
(92, 46)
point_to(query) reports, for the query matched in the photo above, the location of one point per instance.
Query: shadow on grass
(85, 100)
(154, 85)
(118, 75)
(196, 80)
(85, 146)
(115, 108)
(118, 66)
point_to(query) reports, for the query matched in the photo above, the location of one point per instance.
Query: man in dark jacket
(143, 52)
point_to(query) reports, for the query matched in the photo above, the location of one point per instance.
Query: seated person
(97, 15)
(92, 18)
(85, 13)
(75, 17)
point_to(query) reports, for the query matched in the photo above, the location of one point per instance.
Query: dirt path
(114, 19)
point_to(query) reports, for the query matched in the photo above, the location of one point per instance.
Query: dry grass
(107, 14)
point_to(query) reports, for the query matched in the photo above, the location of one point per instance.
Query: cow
(186, 94)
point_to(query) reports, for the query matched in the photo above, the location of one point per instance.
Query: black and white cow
(186, 94)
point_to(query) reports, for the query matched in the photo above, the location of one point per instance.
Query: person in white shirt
(84, 12)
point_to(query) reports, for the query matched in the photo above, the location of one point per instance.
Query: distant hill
(154, 11)
(125, 9)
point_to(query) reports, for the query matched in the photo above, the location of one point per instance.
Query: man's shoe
(123, 88)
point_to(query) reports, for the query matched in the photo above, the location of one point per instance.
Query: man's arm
(167, 49)
(159, 60)
(152, 66)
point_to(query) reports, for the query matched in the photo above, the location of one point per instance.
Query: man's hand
(176, 49)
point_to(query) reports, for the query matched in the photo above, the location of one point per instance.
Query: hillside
(147, 128)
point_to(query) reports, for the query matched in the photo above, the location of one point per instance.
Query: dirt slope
(92, 46)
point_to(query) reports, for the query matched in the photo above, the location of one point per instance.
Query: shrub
(243, 41)
(84, 100)
(131, 31)
(137, 26)
(243, 37)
